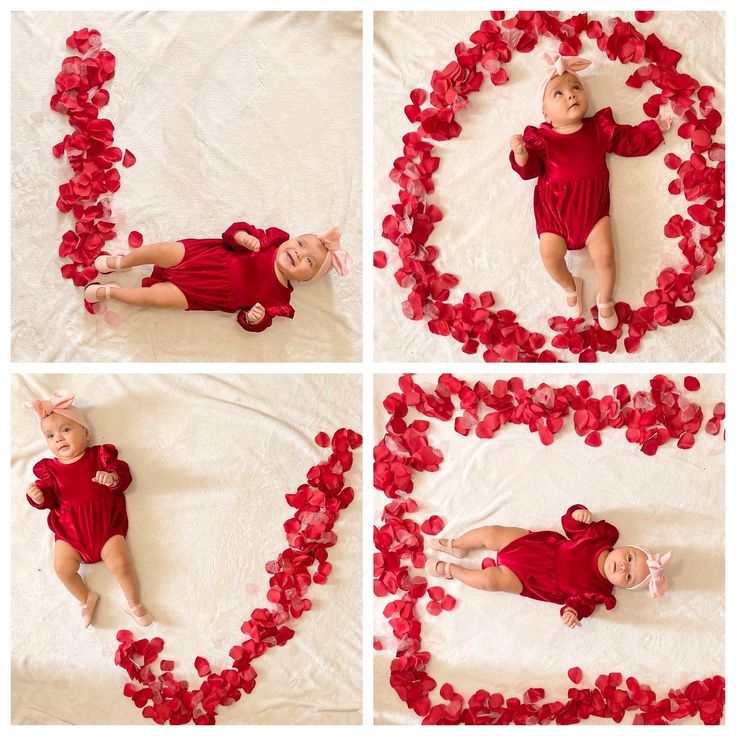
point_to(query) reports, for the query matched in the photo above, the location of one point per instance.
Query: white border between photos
(368, 367)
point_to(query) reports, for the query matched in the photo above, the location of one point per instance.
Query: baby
(248, 271)
(83, 489)
(579, 572)
(567, 156)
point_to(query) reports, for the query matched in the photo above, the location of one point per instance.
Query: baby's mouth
(63, 447)
(291, 258)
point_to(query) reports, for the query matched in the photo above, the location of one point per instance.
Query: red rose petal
(487, 562)
(135, 239)
(128, 159)
(643, 15)
(379, 259)
(322, 439)
(575, 674)
(433, 525)
(691, 383)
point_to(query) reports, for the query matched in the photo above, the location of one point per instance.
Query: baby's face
(300, 258)
(65, 438)
(565, 101)
(625, 567)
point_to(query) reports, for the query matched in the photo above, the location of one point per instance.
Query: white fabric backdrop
(232, 116)
(673, 501)
(211, 457)
(487, 236)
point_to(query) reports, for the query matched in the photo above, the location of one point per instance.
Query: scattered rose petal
(135, 239)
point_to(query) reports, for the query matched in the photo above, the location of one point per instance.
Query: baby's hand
(582, 515)
(105, 479)
(518, 147)
(255, 314)
(34, 493)
(664, 122)
(250, 242)
(570, 619)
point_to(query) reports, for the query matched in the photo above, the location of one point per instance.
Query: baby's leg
(165, 255)
(493, 537)
(492, 578)
(115, 555)
(66, 566)
(163, 295)
(600, 247)
(553, 248)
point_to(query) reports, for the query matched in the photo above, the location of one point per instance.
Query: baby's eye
(310, 262)
(49, 435)
(557, 92)
(629, 558)
(628, 578)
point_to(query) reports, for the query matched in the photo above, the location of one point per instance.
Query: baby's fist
(517, 145)
(582, 515)
(570, 619)
(255, 314)
(105, 479)
(34, 493)
(247, 241)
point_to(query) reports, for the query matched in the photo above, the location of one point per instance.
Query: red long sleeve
(628, 140)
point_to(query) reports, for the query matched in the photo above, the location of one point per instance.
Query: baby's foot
(448, 546)
(574, 299)
(88, 608)
(607, 318)
(140, 614)
(606, 311)
(96, 292)
(438, 568)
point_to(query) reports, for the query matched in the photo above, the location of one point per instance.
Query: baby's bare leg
(493, 537)
(66, 566)
(553, 248)
(500, 578)
(115, 555)
(165, 255)
(600, 247)
(163, 295)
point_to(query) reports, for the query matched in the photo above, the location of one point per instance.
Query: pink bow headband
(656, 580)
(60, 402)
(558, 65)
(337, 257)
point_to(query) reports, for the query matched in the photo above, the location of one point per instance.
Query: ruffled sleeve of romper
(267, 238)
(628, 140)
(534, 167)
(108, 461)
(585, 603)
(574, 528)
(47, 483)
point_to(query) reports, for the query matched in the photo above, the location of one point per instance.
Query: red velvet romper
(83, 513)
(218, 274)
(572, 192)
(564, 570)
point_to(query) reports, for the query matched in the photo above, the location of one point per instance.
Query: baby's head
(64, 427)
(635, 568)
(310, 257)
(564, 101)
